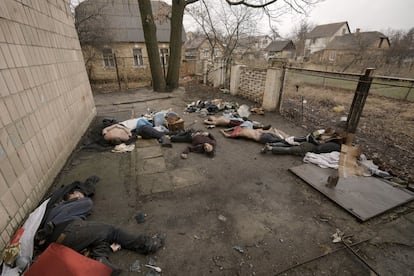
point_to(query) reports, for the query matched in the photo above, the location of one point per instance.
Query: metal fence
(318, 99)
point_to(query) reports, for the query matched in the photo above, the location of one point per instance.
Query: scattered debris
(239, 249)
(196, 237)
(258, 110)
(140, 217)
(337, 236)
(222, 218)
(156, 268)
(243, 111)
(338, 109)
(135, 266)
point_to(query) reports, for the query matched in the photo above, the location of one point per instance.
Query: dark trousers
(98, 237)
(183, 137)
(303, 148)
(148, 132)
(75, 209)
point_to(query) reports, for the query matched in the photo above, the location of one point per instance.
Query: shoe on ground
(154, 243)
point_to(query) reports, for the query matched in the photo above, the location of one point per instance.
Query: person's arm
(223, 131)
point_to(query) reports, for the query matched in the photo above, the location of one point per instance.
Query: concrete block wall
(252, 84)
(46, 103)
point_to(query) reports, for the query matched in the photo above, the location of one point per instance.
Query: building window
(206, 54)
(332, 56)
(108, 57)
(137, 53)
(164, 55)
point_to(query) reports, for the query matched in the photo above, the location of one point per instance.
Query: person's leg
(148, 132)
(90, 234)
(327, 147)
(81, 234)
(71, 210)
(140, 243)
(269, 138)
(185, 137)
(300, 150)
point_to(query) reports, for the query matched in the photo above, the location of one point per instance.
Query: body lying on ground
(262, 136)
(319, 141)
(126, 132)
(65, 223)
(231, 121)
(201, 142)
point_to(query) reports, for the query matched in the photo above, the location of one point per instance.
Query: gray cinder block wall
(263, 86)
(46, 102)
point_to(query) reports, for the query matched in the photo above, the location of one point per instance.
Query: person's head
(75, 194)
(208, 149)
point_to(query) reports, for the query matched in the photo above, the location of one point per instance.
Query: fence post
(358, 103)
(408, 92)
(274, 86)
(235, 78)
(117, 72)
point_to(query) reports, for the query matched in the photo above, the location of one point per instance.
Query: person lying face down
(231, 121)
(201, 142)
(320, 141)
(259, 135)
(126, 131)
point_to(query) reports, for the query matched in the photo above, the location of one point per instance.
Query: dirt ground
(385, 131)
(239, 213)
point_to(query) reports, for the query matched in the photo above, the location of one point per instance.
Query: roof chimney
(357, 30)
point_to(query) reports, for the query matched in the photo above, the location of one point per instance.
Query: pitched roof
(355, 41)
(194, 43)
(122, 19)
(326, 30)
(279, 45)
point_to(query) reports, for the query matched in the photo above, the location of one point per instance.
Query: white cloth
(131, 123)
(27, 239)
(123, 148)
(323, 160)
(291, 141)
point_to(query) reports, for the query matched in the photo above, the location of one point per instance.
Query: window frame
(108, 57)
(138, 60)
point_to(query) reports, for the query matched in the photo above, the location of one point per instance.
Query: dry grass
(386, 127)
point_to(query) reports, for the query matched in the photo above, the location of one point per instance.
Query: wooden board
(364, 197)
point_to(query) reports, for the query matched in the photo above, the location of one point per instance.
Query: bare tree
(178, 7)
(300, 33)
(150, 35)
(402, 47)
(223, 26)
(90, 25)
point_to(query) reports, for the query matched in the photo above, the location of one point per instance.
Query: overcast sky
(368, 15)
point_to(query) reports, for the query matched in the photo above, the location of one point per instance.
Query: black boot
(165, 142)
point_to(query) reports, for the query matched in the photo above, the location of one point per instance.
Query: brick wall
(124, 56)
(252, 84)
(46, 102)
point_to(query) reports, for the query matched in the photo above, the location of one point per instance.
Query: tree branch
(243, 2)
